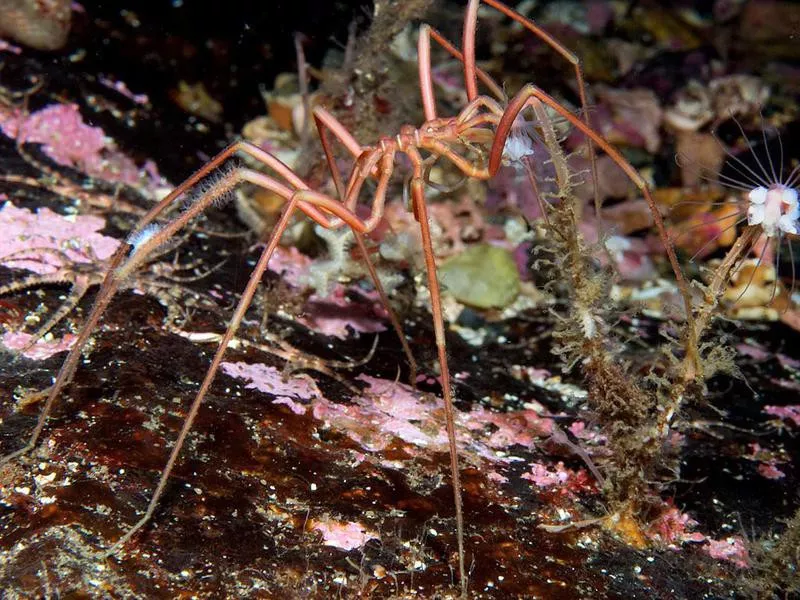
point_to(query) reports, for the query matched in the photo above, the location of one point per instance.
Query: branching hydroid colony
(639, 413)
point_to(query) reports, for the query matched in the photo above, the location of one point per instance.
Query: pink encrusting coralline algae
(24, 234)
(335, 314)
(26, 241)
(70, 142)
(345, 536)
(388, 410)
(731, 549)
(790, 413)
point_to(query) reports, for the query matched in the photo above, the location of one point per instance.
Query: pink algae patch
(271, 381)
(768, 461)
(543, 477)
(346, 536)
(291, 264)
(789, 413)
(731, 549)
(23, 232)
(61, 130)
(333, 315)
(42, 349)
(23, 237)
(66, 139)
(560, 480)
(672, 527)
(388, 411)
(770, 471)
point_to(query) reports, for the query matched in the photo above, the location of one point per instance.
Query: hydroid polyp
(763, 202)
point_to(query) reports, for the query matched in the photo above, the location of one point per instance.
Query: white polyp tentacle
(518, 145)
(755, 214)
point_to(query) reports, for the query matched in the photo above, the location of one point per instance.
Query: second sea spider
(475, 141)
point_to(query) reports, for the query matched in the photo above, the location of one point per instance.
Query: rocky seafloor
(314, 470)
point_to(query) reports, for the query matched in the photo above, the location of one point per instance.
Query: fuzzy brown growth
(366, 90)
(628, 412)
(776, 564)
(629, 407)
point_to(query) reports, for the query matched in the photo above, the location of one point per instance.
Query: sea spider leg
(123, 263)
(471, 73)
(383, 156)
(426, 32)
(421, 213)
(297, 200)
(114, 279)
(468, 118)
(326, 122)
(530, 95)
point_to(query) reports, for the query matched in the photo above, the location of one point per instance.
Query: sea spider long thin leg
(471, 73)
(383, 156)
(529, 96)
(316, 206)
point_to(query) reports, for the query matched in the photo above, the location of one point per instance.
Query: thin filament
(794, 177)
(696, 254)
(752, 275)
(766, 180)
(775, 177)
(706, 223)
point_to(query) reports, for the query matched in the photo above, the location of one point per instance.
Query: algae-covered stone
(482, 276)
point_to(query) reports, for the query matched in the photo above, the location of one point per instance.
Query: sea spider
(474, 141)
